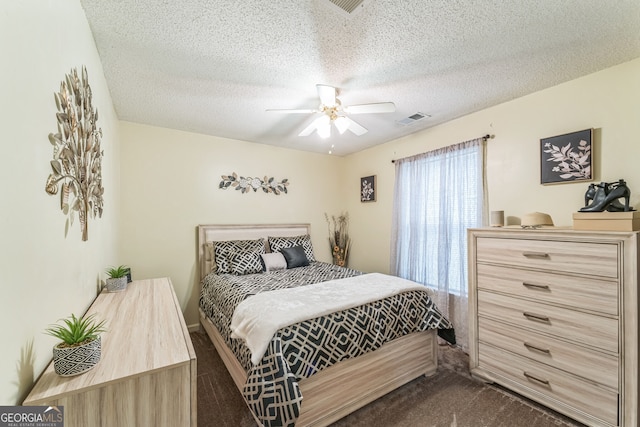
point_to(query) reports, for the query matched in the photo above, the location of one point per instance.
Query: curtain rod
(485, 137)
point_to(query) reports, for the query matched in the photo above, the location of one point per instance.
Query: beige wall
(607, 101)
(170, 185)
(45, 274)
(171, 177)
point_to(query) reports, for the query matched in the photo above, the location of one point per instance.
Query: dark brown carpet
(448, 399)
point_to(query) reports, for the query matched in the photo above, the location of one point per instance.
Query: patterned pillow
(223, 252)
(245, 262)
(277, 243)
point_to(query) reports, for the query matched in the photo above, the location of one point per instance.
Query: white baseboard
(194, 327)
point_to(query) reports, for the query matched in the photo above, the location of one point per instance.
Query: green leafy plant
(76, 331)
(117, 272)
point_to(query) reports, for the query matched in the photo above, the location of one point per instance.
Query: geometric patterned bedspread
(302, 349)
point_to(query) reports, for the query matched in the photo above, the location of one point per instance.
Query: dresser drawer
(598, 401)
(584, 328)
(592, 365)
(593, 294)
(590, 259)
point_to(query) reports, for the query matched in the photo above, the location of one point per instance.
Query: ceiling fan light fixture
(324, 127)
(332, 111)
(342, 124)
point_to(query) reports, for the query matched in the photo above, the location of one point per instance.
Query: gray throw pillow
(295, 256)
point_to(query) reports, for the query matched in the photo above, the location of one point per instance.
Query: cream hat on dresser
(536, 219)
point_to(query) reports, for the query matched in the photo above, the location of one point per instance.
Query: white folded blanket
(257, 318)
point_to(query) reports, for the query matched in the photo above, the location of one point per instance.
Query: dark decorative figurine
(605, 197)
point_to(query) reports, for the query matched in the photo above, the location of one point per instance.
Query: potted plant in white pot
(117, 280)
(80, 346)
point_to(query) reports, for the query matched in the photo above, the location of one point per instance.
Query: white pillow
(274, 261)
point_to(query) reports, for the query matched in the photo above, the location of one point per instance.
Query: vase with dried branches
(339, 239)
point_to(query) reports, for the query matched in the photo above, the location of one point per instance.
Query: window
(438, 195)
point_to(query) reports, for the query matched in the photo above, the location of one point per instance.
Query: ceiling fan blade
(379, 107)
(355, 127)
(301, 111)
(308, 130)
(327, 95)
(313, 126)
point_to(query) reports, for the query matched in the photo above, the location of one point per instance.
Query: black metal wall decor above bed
(246, 183)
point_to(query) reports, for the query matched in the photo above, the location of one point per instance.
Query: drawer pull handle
(534, 286)
(538, 255)
(535, 348)
(536, 317)
(536, 379)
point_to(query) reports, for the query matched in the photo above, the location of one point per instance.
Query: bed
(294, 380)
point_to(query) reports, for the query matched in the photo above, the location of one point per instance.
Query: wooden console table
(147, 373)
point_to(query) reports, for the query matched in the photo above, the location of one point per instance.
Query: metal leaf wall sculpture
(246, 183)
(77, 157)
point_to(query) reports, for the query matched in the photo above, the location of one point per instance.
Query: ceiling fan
(333, 112)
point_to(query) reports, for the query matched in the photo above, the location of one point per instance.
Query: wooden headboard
(217, 232)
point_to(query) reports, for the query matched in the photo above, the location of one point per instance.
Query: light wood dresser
(147, 372)
(554, 316)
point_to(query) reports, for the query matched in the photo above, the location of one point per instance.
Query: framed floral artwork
(566, 158)
(368, 189)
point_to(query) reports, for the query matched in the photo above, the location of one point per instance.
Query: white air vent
(347, 5)
(412, 119)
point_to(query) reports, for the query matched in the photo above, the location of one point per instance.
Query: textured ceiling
(214, 67)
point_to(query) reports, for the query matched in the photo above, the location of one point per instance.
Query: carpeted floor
(451, 398)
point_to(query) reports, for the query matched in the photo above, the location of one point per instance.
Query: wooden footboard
(360, 380)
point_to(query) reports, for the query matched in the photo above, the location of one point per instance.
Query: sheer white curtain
(437, 196)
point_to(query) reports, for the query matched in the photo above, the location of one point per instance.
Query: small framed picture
(368, 189)
(566, 158)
